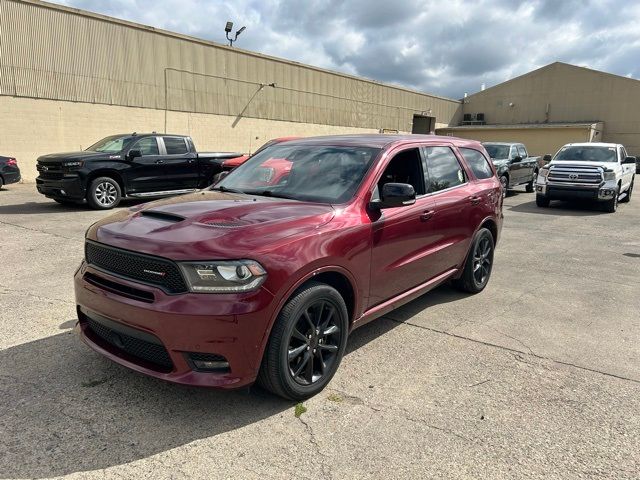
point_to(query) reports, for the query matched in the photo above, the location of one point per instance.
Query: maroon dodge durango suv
(263, 276)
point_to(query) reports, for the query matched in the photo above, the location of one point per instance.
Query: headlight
(609, 176)
(223, 277)
(544, 172)
(73, 165)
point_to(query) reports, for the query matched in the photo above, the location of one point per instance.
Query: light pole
(228, 29)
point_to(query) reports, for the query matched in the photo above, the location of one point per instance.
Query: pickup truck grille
(50, 171)
(571, 175)
(145, 269)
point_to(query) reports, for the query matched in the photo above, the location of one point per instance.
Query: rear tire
(542, 201)
(306, 344)
(627, 198)
(104, 193)
(479, 263)
(531, 185)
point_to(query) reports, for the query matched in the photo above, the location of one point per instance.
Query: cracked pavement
(537, 377)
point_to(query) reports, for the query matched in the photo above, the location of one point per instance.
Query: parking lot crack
(38, 230)
(326, 470)
(515, 350)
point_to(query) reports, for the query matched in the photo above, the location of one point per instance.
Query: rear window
(175, 145)
(477, 162)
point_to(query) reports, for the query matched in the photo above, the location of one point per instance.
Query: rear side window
(477, 162)
(175, 146)
(147, 146)
(444, 170)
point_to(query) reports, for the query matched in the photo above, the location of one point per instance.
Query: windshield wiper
(270, 193)
(222, 188)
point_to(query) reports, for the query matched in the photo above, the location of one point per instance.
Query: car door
(145, 174)
(528, 165)
(455, 196)
(180, 164)
(403, 236)
(516, 167)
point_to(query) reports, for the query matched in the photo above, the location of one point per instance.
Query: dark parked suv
(9, 171)
(262, 279)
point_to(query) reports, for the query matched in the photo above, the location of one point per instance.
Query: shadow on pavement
(559, 208)
(52, 207)
(66, 409)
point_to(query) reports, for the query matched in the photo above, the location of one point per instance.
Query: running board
(162, 194)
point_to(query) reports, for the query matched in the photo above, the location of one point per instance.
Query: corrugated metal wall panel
(55, 53)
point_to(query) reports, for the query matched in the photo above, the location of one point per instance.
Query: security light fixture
(228, 29)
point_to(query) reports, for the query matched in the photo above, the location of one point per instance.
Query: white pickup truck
(601, 172)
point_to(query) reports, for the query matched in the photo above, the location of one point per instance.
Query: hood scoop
(167, 217)
(226, 223)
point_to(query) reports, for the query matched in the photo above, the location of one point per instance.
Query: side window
(522, 151)
(405, 167)
(514, 152)
(623, 154)
(147, 146)
(477, 162)
(443, 168)
(175, 146)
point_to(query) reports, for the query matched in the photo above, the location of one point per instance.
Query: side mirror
(629, 160)
(517, 159)
(546, 158)
(133, 154)
(396, 195)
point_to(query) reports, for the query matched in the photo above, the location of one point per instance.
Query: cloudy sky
(444, 47)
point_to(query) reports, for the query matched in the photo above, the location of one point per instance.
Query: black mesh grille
(150, 352)
(207, 357)
(142, 268)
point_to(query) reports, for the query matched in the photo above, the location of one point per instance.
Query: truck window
(175, 146)
(147, 146)
(514, 152)
(522, 151)
(477, 162)
(444, 170)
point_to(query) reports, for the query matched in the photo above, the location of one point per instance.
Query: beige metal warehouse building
(554, 105)
(70, 77)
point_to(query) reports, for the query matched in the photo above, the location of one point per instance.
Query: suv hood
(210, 225)
(72, 156)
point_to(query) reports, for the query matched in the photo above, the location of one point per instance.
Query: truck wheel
(306, 344)
(477, 268)
(610, 206)
(504, 181)
(531, 185)
(627, 197)
(542, 201)
(104, 193)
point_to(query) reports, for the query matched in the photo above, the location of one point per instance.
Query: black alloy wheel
(479, 263)
(482, 260)
(306, 344)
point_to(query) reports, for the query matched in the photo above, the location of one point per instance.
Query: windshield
(313, 173)
(497, 152)
(113, 144)
(587, 154)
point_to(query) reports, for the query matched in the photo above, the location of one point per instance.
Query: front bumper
(234, 327)
(557, 191)
(67, 187)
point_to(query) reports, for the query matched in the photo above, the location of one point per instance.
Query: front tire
(306, 344)
(104, 193)
(531, 185)
(479, 263)
(504, 181)
(542, 201)
(610, 206)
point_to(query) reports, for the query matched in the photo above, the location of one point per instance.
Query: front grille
(50, 171)
(141, 268)
(153, 353)
(570, 175)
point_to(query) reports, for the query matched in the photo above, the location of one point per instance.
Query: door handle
(475, 200)
(159, 161)
(426, 215)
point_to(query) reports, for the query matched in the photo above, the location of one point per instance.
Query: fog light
(63, 192)
(207, 365)
(539, 188)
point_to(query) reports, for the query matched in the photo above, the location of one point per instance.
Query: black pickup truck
(132, 165)
(513, 165)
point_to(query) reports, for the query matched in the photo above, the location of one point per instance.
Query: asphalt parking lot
(538, 376)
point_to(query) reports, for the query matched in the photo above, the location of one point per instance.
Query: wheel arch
(106, 172)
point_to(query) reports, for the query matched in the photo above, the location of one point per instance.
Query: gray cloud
(443, 47)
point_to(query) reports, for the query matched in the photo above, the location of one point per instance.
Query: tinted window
(147, 146)
(444, 170)
(477, 162)
(405, 167)
(175, 145)
(522, 152)
(497, 151)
